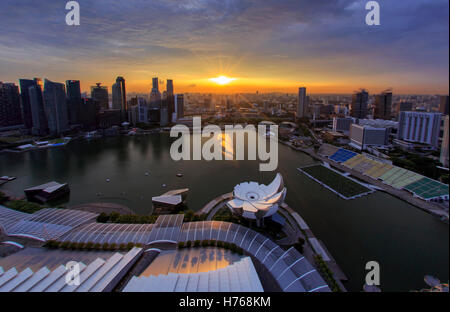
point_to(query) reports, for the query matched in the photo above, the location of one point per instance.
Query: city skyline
(322, 45)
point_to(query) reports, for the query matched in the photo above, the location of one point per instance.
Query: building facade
(100, 94)
(383, 105)
(358, 108)
(10, 111)
(444, 148)
(362, 137)
(443, 105)
(420, 127)
(74, 101)
(302, 105)
(56, 107)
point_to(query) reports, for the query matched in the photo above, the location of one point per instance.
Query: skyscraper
(443, 106)
(383, 105)
(100, 94)
(74, 100)
(302, 105)
(358, 108)
(10, 112)
(25, 84)
(445, 142)
(164, 119)
(169, 87)
(419, 127)
(155, 95)
(170, 99)
(56, 107)
(119, 96)
(179, 106)
(38, 111)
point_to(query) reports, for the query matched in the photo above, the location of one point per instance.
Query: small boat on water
(179, 175)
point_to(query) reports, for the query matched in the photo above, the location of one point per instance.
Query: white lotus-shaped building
(257, 201)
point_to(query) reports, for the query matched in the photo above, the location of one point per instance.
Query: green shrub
(130, 245)
(105, 246)
(181, 245)
(226, 245)
(113, 246)
(197, 243)
(205, 243)
(89, 245)
(139, 245)
(103, 218)
(82, 246)
(122, 246)
(188, 244)
(219, 244)
(97, 246)
(212, 243)
(65, 245)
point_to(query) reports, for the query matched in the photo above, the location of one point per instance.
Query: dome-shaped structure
(257, 201)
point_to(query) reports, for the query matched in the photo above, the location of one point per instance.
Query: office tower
(170, 99)
(419, 127)
(362, 137)
(56, 107)
(164, 119)
(358, 108)
(155, 95)
(10, 112)
(179, 106)
(38, 111)
(169, 87)
(383, 104)
(90, 110)
(100, 94)
(445, 143)
(119, 96)
(74, 101)
(27, 117)
(302, 104)
(443, 106)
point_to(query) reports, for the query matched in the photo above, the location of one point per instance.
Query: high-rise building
(443, 106)
(56, 107)
(38, 111)
(74, 100)
(90, 110)
(302, 104)
(383, 105)
(119, 96)
(169, 87)
(155, 95)
(10, 111)
(170, 99)
(27, 117)
(358, 108)
(419, 127)
(100, 94)
(164, 119)
(179, 107)
(445, 142)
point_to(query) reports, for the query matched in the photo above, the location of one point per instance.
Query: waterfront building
(47, 192)
(383, 104)
(362, 137)
(443, 105)
(420, 127)
(74, 100)
(38, 110)
(100, 94)
(358, 107)
(10, 112)
(25, 84)
(257, 201)
(56, 107)
(445, 142)
(109, 118)
(302, 104)
(90, 110)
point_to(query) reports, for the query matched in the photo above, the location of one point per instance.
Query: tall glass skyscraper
(358, 108)
(56, 107)
(74, 100)
(100, 94)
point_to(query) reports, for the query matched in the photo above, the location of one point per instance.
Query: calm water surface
(407, 242)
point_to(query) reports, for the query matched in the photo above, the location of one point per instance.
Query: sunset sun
(222, 80)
